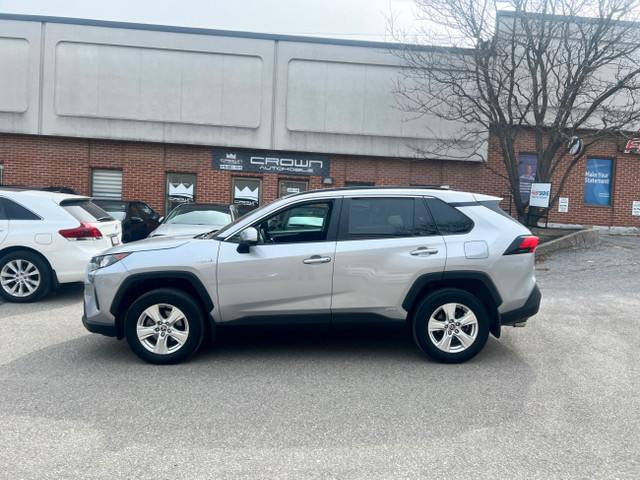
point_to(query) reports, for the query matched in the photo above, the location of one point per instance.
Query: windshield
(199, 215)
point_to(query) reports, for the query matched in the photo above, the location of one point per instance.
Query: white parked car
(192, 219)
(47, 238)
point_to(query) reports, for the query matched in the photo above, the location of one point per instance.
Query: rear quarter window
(15, 211)
(450, 220)
(494, 206)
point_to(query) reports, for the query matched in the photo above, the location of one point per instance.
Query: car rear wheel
(24, 277)
(164, 326)
(451, 325)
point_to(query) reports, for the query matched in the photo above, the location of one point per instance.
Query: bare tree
(556, 68)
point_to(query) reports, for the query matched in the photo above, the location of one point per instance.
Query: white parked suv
(47, 239)
(451, 266)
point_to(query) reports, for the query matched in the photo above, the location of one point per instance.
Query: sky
(348, 19)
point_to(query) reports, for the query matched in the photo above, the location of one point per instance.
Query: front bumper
(529, 309)
(101, 328)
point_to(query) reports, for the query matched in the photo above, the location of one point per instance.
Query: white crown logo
(232, 156)
(247, 193)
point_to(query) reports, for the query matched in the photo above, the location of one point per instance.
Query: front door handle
(423, 251)
(316, 260)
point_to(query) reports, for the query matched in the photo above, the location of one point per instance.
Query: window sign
(540, 195)
(635, 210)
(527, 166)
(246, 192)
(181, 188)
(597, 181)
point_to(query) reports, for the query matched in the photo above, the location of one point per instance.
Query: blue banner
(527, 166)
(597, 181)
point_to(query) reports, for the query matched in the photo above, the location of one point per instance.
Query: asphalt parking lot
(557, 399)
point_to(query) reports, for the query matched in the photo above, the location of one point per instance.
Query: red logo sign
(633, 144)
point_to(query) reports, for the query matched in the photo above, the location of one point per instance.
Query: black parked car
(138, 219)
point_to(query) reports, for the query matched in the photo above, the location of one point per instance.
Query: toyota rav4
(450, 265)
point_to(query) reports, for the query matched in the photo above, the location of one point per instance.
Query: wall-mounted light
(327, 180)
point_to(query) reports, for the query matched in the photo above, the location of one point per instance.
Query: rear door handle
(316, 260)
(423, 251)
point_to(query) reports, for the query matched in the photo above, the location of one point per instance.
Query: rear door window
(371, 218)
(3, 213)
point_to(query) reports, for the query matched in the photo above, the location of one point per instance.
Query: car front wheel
(451, 325)
(24, 277)
(164, 326)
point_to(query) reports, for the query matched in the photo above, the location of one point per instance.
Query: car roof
(57, 197)
(444, 193)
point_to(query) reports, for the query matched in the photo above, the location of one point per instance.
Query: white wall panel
(173, 87)
(147, 84)
(14, 81)
(339, 99)
(19, 76)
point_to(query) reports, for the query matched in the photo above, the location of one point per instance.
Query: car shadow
(66, 294)
(248, 384)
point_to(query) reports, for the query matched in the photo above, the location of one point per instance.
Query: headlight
(101, 261)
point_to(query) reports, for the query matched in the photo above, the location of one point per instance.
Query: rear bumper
(529, 309)
(101, 328)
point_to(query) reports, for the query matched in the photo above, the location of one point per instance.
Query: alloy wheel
(162, 329)
(20, 278)
(453, 327)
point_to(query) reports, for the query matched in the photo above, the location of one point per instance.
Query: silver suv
(451, 265)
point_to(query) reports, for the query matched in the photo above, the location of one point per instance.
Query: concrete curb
(576, 240)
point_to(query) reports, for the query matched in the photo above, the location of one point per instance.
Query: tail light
(522, 245)
(83, 232)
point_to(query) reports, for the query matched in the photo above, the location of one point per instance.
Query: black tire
(162, 341)
(24, 277)
(459, 325)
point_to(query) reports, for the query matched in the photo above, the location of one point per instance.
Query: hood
(159, 243)
(177, 230)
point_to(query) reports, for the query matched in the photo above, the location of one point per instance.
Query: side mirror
(136, 220)
(248, 237)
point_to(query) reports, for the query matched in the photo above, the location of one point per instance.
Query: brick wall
(44, 161)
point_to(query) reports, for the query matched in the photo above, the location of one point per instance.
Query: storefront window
(288, 187)
(597, 181)
(106, 183)
(246, 193)
(180, 188)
